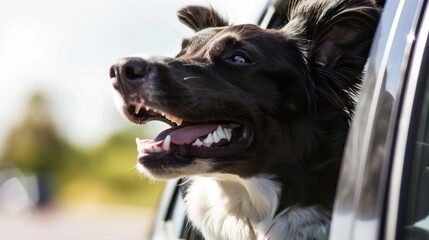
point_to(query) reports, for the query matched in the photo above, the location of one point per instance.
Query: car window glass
(415, 222)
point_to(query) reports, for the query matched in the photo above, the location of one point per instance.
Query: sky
(64, 50)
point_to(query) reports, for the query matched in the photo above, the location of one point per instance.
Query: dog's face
(240, 99)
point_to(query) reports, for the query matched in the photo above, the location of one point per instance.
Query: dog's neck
(228, 207)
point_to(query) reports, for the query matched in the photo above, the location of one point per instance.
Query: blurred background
(67, 157)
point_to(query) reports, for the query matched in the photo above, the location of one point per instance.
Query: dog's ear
(347, 35)
(199, 17)
(337, 38)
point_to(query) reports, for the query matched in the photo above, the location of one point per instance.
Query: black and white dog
(259, 116)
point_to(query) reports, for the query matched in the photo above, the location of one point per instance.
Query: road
(83, 222)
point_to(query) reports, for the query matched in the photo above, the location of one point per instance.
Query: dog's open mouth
(187, 140)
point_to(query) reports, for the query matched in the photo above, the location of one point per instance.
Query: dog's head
(245, 100)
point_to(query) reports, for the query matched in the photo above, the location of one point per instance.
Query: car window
(416, 212)
(413, 218)
(371, 145)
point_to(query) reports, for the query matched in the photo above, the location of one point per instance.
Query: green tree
(68, 173)
(34, 144)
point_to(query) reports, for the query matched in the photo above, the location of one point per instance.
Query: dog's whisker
(193, 77)
(195, 64)
(133, 168)
(169, 61)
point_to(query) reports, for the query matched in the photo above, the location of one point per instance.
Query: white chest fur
(228, 207)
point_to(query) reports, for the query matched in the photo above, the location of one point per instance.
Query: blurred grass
(103, 174)
(109, 175)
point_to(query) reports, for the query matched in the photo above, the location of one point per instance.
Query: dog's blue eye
(238, 59)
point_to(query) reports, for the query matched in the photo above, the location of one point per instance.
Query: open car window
(412, 199)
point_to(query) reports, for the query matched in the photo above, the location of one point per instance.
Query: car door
(382, 192)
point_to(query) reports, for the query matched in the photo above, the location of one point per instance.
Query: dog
(259, 117)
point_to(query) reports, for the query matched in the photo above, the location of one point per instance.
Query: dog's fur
(291, 92)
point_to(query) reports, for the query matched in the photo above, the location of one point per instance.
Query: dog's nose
(129, 70)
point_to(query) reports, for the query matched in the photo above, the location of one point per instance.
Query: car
(383, 189)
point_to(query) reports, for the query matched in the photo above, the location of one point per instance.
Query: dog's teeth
(166, 143)
(209, 140)
(137, 108)
(178, 121)
(228, 133)
(198, 143)
(216, 137)
(220, 133)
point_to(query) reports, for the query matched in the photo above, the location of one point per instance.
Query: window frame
(407, 131)
(373, 140)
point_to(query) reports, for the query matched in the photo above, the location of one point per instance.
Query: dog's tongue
(186, 134)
